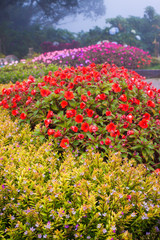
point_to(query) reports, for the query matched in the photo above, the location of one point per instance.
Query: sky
(125, 8)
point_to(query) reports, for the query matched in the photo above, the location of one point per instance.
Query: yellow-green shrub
(21, 71)
(43, 195)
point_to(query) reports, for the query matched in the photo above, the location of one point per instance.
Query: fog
(125, 8)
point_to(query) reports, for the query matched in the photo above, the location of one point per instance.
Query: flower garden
(80, 147)
(129, 57)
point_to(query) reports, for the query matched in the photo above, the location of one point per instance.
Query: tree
(20, 17)
(55, 9)
(149, 13)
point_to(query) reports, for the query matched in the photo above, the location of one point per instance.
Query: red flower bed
(98, 105)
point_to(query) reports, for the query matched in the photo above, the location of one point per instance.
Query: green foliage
(155, 62)
(21, 71)
(46, 195)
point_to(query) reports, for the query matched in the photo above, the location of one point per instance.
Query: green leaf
(42, 138)
(106, 90)
(60, 114)
(90, 136)
(136, 147)
(38, 103)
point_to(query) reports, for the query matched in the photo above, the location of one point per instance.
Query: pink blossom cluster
(129, 57)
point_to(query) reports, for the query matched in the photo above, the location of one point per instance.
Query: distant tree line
(21, 26)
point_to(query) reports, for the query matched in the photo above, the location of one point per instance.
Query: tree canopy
(53, 9)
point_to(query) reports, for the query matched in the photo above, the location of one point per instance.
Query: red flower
(89, 93)
(70, 85)
(129, 117)
(130, 132)
(150, 103)
(111, 127)
(131, 109)
(64, 104)
(33, 92)
(28, 101)
(85, 127)
(23, 116)
(97, 116)
(71, 113)
(58, 90)
(157, 171)
(64, 143)
(82, 105)
(31, 78)
(108, 113)
(123, 98)
(57, 134)
(68, 95)
(89, 112)
(114, 133)
(80, 136)
(143, 123)
(17, 97)
(15, 112)
(136, 101)
(45, 92)
(116, 88)
(83, 98)
(74, 129)
(126, 124)
(158, 122)
(50, 73)
(4, 91)
(79, 118)
(150, 93)
(62, 83)
(130, 87)
(107, 141)
(50, 132)
(6, 106)
(14, 105)
(97, 97)
(124, 107)
(47, 122)
(102, 96)
(146, 116)
(93, 128)
(50, 114)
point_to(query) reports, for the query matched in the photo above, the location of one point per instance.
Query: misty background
(51, 25)
(114, 8)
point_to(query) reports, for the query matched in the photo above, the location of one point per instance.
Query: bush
(44, 195)
(129, 57)
(21, 71)
(50, 47)
(155, 64)
(103, 106)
